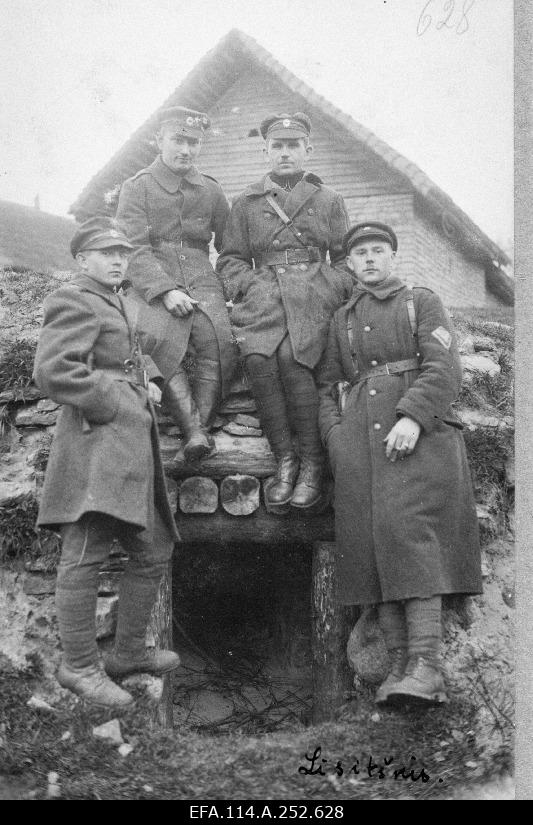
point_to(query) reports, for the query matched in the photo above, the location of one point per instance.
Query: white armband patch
(443, 337)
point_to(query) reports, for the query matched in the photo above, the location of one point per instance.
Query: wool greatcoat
(299, 298)
(171, 220)
(105, 452)
(407, 528)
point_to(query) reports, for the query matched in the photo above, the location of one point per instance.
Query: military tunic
(171, 220)
(105, 452)
(407, 528)
(299, 298)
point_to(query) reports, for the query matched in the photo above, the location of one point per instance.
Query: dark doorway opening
(242, 624)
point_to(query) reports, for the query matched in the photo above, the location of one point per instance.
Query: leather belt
(391, 368)
(308, 254)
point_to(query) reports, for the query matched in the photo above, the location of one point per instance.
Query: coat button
(276, 242)
(367, 329)
(377, 426)
(372, 392)
(282, 270)
(373, 363)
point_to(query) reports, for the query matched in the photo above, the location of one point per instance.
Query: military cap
(286, 126)
(186, 122)
(99, 232)
(369, 229)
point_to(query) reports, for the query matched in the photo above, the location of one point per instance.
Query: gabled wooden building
(238, 83)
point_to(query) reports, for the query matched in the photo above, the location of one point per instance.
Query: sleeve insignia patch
(443, 337)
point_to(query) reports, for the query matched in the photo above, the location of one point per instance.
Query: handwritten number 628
(425, 20)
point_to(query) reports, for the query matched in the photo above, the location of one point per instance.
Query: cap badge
(286, 123)
(190, 121)
(114, 233)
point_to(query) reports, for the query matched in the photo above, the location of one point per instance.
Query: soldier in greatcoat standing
(405, 517)
(170, 211)
(273, 262)
(104, 478)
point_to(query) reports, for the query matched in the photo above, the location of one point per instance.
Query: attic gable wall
(236, 159)
(372, 191)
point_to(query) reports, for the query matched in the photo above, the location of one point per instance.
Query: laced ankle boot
(137, 596)
(281, 489)
(308, 488)
(393, 624)
(92, 684)
(398, 663)
(423, 681)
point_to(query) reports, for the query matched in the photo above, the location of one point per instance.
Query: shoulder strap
(350, 323)
(411, 312)
(285, 218)
(130, 310)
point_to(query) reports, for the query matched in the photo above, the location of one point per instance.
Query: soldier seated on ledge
(170, 212)
(274, 267)
(405, 519)
(104, 478)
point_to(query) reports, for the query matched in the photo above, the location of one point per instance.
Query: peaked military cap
(286, 126)
(186, 122)
(99, 232)
(369, 229)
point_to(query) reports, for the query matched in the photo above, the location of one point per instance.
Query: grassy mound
(440, 744)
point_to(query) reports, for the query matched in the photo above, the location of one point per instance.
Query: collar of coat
(308, 184)
(169, 180)
(391, 286)
(90, 285)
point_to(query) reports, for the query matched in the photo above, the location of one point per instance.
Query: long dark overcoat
(105, 451)
(298, 298)
(407, 528)
(171, 220)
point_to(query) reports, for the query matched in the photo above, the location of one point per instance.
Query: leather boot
(308, 489)
(423, 683)
(281, 490)
(398, 662)
(92, 684)
(206, 387)
(152, 661)
(177, 397)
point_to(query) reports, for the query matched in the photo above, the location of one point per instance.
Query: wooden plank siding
(235, 157)
(442, 266)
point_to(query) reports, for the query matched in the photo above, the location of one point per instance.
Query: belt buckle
(129, 365)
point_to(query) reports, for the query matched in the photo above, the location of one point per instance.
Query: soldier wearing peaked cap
(405, 518)
(275, 268)
(104, 478)
(171, 212)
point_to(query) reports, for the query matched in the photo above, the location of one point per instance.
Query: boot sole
(94, 703)
(306, 506)
(279, 503)
(159, 672)
(437, 698)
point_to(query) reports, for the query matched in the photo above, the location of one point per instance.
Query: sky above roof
(433, 79)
